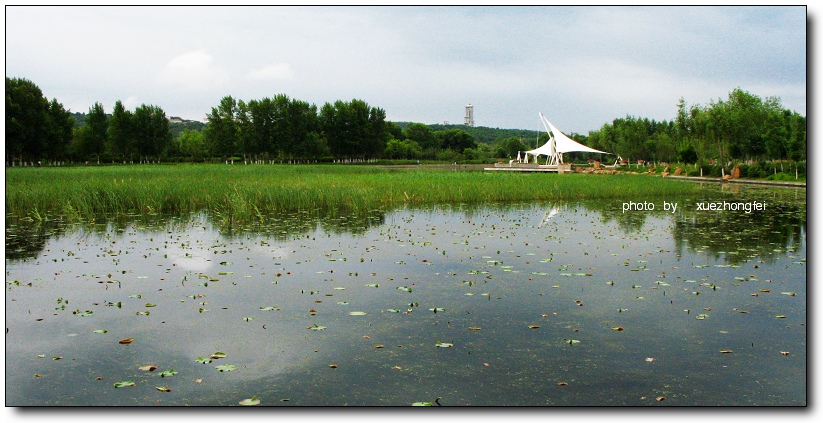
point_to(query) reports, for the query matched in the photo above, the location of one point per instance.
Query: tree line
(742, 128)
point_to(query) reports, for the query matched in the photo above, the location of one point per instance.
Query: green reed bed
(251, 192)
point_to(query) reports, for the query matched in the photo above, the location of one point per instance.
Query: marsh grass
(249, 193)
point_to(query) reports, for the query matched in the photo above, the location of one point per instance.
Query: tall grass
(246, 193)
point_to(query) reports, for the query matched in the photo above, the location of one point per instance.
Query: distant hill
(176, 125)
(482, 134)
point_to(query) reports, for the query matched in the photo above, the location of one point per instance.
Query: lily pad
(225, 367)
(250, 401)
(357, 313)
(168, 373)
(443, 344)
(269, 308)
(123, 384)
(202, 360)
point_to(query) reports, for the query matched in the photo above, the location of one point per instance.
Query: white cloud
(194, 71)
(131, 103)
(272, 71)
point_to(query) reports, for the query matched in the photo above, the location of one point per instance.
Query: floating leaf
(148, 368)
(726, 351)
(404, 288)
(168, 373)
(393, 310)
(791, 293)
(218, 355)
(248, 319)
(443, 344)
(436, 309)
(162, 389)
(780, 316)
(126, 341)
(373, 285)
(357, 313)
(315, 327)
(533, 327)
(701, 316)
(123, 384)
(226, 368)
(571, 341)
(269, 308)
(474, 327)
(151, 305)
(100, 331)
(202, 360)
(617, 328)
(426, 403)
(250, 401)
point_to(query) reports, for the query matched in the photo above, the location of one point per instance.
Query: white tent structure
(558, 144)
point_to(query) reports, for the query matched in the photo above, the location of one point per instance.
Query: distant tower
(469, 120)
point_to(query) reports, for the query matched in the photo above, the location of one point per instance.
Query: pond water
(540, 304)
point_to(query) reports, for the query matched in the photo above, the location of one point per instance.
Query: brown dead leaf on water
(126, 341)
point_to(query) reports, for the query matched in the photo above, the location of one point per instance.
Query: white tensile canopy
(558, 144)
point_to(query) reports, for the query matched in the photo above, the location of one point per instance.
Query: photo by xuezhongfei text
(744, 206)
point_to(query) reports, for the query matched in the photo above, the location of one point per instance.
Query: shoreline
(742, 181)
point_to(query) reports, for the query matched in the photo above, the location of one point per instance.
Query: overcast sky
(580, 66)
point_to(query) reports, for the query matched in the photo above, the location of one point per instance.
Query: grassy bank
(250, 192)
